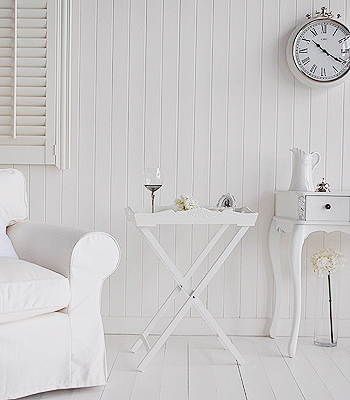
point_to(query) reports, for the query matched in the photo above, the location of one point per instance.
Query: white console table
(243, 218)
(302, 213)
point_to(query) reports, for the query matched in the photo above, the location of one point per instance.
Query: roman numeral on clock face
(343, 39)
(305, 60)
(303, 50)
(323, 71)
(313, 68)
(313, 31)
(324, 28)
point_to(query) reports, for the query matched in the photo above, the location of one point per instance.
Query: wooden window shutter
(34, 77)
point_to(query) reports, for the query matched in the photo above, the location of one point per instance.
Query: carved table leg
(295, 247)
(274, 248)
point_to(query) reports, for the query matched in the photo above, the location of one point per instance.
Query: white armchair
(51, 333)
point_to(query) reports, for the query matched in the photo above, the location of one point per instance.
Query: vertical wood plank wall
(201, 88)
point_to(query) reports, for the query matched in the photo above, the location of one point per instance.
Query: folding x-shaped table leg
(193, 295)
(177, 289)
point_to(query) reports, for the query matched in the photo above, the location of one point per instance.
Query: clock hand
(337, 59)
(321, 48)
(328, 54)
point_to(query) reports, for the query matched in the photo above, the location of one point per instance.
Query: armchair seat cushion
(27, 290)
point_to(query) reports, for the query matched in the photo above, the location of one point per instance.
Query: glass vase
(327, 318)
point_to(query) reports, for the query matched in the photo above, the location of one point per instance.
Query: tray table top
(202, 215)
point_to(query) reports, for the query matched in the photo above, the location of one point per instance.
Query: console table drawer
(327, 208)
(313, 206)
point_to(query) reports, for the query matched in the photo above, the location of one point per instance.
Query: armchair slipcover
(43, 349)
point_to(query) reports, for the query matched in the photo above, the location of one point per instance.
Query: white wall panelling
(201, 88)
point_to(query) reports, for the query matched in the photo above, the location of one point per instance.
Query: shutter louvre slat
(23, 141)
(23, 131)
(31, 120)
(6, 110)
(30, 111)
(31, 43)
(31, 72)
(31, 82)
(25, 4)
(31, 92)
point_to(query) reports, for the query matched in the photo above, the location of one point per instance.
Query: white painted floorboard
(198, 368)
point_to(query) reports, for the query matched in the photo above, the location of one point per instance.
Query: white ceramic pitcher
(303, 165)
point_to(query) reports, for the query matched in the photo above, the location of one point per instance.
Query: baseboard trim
(232, 326)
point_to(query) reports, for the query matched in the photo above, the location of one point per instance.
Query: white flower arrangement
(326, 261)
(185, 202)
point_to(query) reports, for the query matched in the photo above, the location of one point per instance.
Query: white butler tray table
(143, 220)
(168, 216)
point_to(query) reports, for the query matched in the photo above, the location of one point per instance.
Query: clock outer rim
(297, 72)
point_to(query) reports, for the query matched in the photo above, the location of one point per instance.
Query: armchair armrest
(85, 257)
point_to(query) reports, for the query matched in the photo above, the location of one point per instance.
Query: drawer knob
(327, 206)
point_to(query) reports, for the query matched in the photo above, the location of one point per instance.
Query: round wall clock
(318, 51)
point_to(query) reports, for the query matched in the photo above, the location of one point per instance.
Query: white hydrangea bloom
(327, 260)
(185, 202)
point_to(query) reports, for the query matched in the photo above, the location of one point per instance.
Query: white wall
(201, 88)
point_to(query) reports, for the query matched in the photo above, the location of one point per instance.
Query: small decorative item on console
(323, 186)
(226, 201)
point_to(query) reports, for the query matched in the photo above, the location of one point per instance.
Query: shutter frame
(63, 101)
(43, 126)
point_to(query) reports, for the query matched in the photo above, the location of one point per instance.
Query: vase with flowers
(327, 263)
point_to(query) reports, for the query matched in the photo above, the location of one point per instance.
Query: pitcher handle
(314, 165)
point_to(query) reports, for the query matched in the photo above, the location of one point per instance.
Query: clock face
(321, 50)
